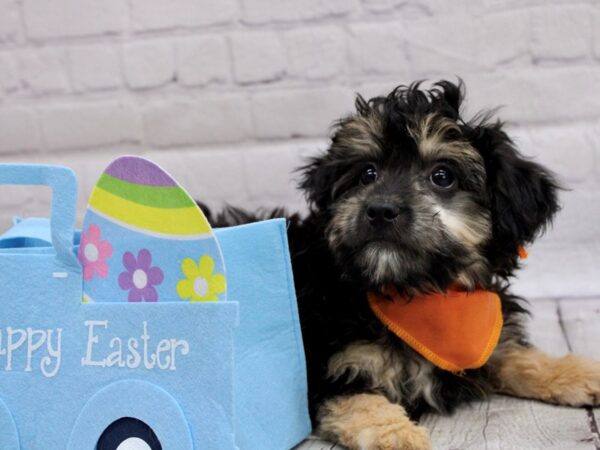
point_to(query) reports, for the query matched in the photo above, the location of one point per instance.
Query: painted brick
(504, 5)
(379, 49)
(257, 57)
(148, 64)
(564, 270)
(511, 5)
(18, 130)
(596, 31)
(561, 32)
(376, 89)
(380, 6)
(572, 223)
(550, 95)
(552, 145)
(279, 189)
(435, 47)
(9, 21)
(90, 125)
(594, 133)
(266, 11)
(313, 111)
(44, 70)
(9, 76)
(94, 67)
(316, 53)
(503, 38)
(160, 14)
(203, 60)
(225, 118)
(468, 9)
(68, 18)
(212, 175)
(484, 42)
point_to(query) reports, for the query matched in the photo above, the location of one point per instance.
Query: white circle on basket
(133, 443)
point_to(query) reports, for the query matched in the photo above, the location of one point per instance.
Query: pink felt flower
(140, 277)
(93, 253)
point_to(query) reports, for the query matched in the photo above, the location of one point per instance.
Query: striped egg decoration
(137, 193)
(144, 239)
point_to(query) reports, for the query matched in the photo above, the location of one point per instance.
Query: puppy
(411, 195)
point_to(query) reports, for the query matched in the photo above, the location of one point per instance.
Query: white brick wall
(148, 64)
(50, 19)
(94, 67)
(230, 95)
(203, 60)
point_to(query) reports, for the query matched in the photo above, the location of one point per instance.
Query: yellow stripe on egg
(174, 221)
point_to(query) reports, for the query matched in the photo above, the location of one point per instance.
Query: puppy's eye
(442, 178)
(368, 175)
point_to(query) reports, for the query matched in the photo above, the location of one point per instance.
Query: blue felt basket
(220, 375)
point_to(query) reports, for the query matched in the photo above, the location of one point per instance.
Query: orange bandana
(456, 330)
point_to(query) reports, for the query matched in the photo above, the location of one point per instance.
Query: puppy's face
(411, 206)
(414, 196)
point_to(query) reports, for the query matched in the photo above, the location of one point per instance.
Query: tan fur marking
(431, 136)
(528, 372)
(361, 134)
(343, 221)
(370, 422)
(471, 231)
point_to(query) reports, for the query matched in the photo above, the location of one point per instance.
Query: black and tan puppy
(410, 194)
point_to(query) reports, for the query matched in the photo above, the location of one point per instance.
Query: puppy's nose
(382, 213)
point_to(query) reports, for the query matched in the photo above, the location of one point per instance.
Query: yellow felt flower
(200, 284)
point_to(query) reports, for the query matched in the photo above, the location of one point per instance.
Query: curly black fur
(503, 199)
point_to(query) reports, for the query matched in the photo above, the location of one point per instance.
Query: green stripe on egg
(154, 196)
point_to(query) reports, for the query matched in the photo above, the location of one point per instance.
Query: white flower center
(200, 286)
(133, 444)
(140, 279)
(91, 253)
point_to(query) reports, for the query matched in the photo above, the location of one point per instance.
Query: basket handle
(63, 183)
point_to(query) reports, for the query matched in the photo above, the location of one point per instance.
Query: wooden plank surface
(545, 328)
(510, 423)
(580, 320)
(506, 423)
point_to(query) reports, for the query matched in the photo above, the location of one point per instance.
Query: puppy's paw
(370, 422)
(396, 436)
(571, 380)
(575, 381)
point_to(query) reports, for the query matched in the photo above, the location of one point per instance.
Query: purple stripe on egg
(139, 171)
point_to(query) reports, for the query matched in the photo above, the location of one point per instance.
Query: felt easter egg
(144, 239)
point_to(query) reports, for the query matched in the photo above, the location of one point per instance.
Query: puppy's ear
(522, 194)
(318, 177)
